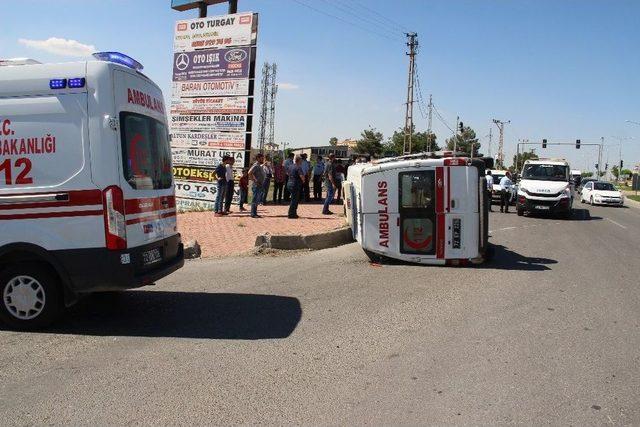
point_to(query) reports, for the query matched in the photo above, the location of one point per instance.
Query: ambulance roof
(24, 77)
(561, 162)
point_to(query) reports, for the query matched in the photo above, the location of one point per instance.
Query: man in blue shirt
(305, 167)
(288, 164)
(318, 171)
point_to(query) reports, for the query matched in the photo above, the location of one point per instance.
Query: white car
(601, 193)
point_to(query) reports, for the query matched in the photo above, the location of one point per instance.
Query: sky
(557, 69)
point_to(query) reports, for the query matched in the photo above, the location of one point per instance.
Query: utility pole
(490, 136)
(272, 108)
(500, 124)
(455, 136)
(600, 157)
(430, 123)
(202, 8)
(412, 43)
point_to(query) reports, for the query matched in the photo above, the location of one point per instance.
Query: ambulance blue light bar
(119, 58)
(57, 83)
(77, 82)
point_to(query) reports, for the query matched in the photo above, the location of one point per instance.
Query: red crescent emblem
(416, 245)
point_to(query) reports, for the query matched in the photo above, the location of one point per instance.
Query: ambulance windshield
(146, 155)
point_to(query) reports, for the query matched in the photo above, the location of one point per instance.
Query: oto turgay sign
(212, 103)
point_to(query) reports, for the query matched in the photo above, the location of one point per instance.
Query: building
(351, 143)
(341, 151)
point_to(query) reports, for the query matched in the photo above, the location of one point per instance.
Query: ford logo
(235, 55)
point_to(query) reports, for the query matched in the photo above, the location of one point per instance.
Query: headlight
(598, 197)
(566, 192)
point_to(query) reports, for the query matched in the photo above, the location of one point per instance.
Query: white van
(427, 208)
(86, 190)
(545, 186)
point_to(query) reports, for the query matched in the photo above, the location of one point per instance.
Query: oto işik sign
(211, 108)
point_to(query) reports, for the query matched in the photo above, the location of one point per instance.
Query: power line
(400, 27)
(344, 20)
(362, 18)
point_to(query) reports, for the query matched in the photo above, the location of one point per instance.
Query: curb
(329, 239)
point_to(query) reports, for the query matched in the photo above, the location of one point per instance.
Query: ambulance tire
(47, 286)
(520, 211)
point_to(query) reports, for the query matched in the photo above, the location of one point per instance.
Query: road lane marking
(619, 225)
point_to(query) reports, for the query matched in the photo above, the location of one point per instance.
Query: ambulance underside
(421, 211)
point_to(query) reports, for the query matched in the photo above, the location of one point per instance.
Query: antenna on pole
(412, 43)
(272, 112)
(500, 157)
(264, 102)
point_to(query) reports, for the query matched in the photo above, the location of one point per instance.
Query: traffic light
(544, 143)
(461, 127)
(596, 166)
(577, 144)
(606, 166)
(621, 164)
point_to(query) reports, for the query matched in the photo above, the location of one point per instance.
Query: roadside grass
(633, 197)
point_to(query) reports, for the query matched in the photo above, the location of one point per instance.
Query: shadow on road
(578, 215)
(505, 259)
(182, 315)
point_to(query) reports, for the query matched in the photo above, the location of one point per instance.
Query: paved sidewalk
(236, 233)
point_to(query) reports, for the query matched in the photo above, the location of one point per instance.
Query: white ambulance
(86, 190)
(428, 208)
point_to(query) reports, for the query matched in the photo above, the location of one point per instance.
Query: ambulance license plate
(542, 208)
(151, 256)
(456, 231)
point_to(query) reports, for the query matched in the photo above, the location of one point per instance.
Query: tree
(615, 171)
(462, 142)
(420, 141)
(370, 143)
(586, 174)
(333, 141)
(519, 159)
(626, 172)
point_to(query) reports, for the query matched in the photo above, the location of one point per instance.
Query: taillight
(115, 229)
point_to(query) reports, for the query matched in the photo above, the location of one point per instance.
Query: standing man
(505, 192)
(489, 178)
(295, 183)
(305, 166)
(318, 171)
(221, 184)
(256, 174)
(288, 164)
(278, 181)
(228, 195)
(330, 182)
(268, 173)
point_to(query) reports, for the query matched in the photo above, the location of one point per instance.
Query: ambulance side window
(146, 155)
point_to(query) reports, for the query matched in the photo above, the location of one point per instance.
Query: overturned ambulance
(427, 208)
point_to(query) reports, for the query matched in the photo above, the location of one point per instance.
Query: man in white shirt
(505, 192)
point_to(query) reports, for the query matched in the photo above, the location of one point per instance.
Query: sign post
(212, 101)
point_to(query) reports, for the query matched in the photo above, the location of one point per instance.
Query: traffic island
(318, 241)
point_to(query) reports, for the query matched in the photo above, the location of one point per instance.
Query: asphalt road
(549, 332)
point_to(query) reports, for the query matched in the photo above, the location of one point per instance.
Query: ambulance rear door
(419, 211)
(146, 178)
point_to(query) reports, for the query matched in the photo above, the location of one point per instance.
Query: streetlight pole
(620, 139)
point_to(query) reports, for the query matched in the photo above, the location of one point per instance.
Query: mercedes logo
(182, 61)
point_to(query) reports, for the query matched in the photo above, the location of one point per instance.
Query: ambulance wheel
(520, 212)
(31, 296)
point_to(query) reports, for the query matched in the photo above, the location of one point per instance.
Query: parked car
(601, 193)
(583, 183)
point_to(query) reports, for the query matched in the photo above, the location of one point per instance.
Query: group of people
(506, 188)
(291, 182)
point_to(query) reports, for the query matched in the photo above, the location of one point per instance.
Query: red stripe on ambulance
(69, 198)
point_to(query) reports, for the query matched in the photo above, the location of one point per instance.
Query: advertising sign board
(211, 64)
(210, 105)
(222, 87)
(214, 31)
(212, 122)
(204, 156)
(223, 140)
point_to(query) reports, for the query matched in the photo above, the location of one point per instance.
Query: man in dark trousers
(221, 186)
(318, 172)
(288, 164)
(330, 182)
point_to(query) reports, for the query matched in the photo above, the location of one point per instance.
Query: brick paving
(236, 233)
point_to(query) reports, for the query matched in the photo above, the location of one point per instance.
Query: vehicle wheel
(568, 214)
(520, 211)
(31, 296)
